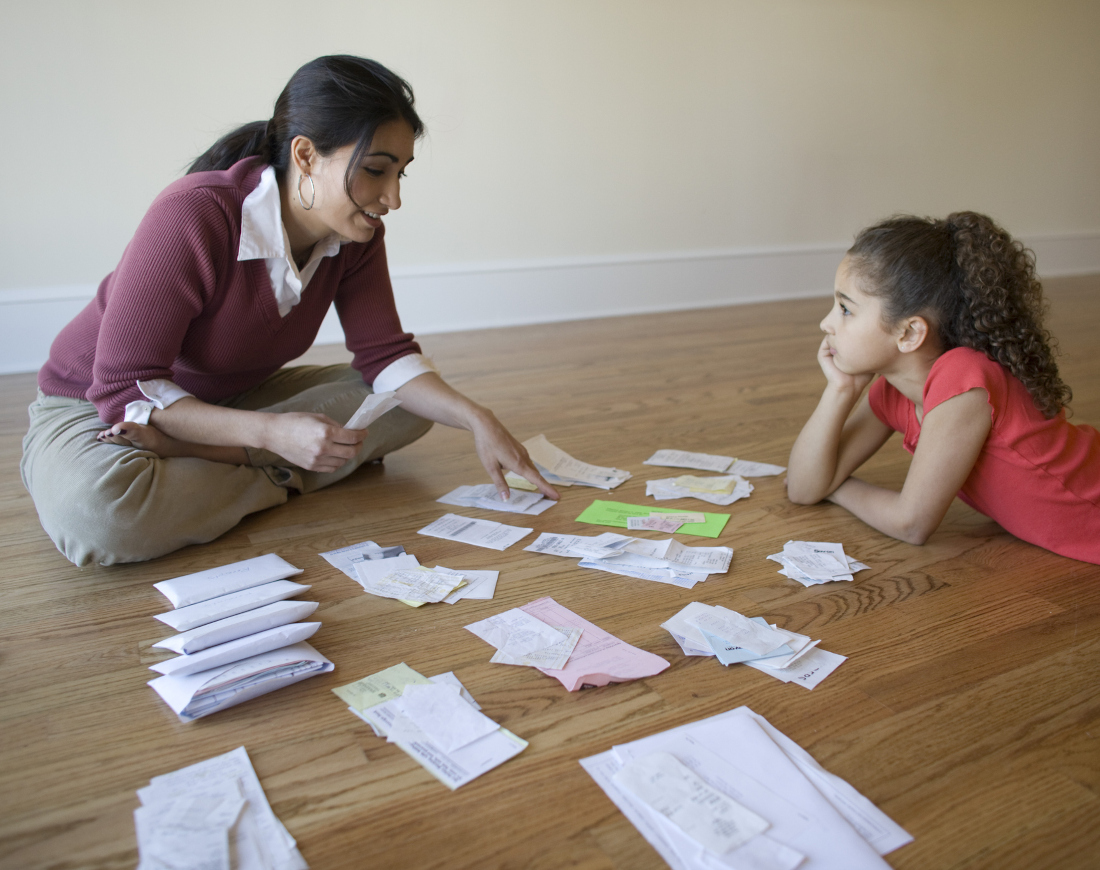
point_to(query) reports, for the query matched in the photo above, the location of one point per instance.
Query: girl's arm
(952, 436)
(835, 440)
(429, 396)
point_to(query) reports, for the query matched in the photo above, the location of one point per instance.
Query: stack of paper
(436, 721)
(561, 469)
(384, 571)
(732, 791)
(724, 490)
(552, 638)
(485, 496)
(814, 562)
(711, 462)
(197, 817)
(239, 636)
(705, 630)
(666, 561)
(479, 533)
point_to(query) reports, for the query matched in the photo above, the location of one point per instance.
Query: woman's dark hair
(333, 101)
(974, 283)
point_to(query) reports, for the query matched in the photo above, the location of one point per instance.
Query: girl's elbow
(916, 532)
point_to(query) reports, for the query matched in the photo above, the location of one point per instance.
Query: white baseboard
(510, 293)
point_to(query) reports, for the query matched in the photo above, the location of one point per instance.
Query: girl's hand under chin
(838, 380)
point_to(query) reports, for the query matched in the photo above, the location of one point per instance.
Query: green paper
(615, 513)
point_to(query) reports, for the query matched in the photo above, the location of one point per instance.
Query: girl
(949, 314)
(227, 279)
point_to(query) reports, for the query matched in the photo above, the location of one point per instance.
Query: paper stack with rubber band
(706, 630)
(434, 720)
(239, 636)
(815, 562)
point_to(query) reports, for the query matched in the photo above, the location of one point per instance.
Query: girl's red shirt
(1038, 478)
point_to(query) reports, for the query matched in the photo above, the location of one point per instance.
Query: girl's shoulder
(962, 369)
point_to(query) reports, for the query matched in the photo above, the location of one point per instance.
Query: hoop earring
(312, 193)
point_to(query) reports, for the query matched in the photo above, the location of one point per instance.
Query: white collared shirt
(263, 237)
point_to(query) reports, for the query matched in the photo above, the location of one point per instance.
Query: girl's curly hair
(974, 283)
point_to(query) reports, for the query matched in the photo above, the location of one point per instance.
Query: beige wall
(575, 128)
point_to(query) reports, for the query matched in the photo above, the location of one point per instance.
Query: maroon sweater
(180, 306)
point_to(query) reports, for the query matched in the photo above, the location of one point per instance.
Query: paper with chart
(184, 814)
(558, 467)
(478, 533)
(373, 407)
(486, 497)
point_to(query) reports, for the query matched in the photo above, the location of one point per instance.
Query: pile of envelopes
(435, 721)
(814, 562)
(733, 791)
(666, 561)
(553, 639)
(712, 630)
(212, 815)
(239, 637)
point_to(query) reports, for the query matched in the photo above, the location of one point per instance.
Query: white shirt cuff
(401, 371)
(160, 394)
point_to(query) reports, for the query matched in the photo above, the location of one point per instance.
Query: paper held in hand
(373, 407)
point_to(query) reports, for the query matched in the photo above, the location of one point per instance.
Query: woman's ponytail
(977, 286)
(251, 140)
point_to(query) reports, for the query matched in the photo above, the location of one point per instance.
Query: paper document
(373, 570)
(373, 407)
(440, 711)
(557, 462)
(755, 469)
(515, 633)
(413, 584)
(214, 582)
(599, 658)
(183, 816)
(683, 459)
(485, 496)
(225, 606)
(240, 625)
(379, 688)
(815, 820)
(197, 695)
(815, 562)
(236, 650)
(613, 513)
(346, 558)
(656, 523)
(716, 490)
(480, 585)
(479, 533)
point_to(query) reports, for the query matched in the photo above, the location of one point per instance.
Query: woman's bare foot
(144, 437)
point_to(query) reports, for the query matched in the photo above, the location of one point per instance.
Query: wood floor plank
(968, 707)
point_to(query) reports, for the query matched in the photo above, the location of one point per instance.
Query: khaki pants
(106, 504)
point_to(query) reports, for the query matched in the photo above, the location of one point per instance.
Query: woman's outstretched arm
(952, 436)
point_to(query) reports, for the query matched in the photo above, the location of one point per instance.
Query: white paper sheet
(755, 469)
(224, 606)
(516, 633)
(480, 585)
(478, 533)
(740, 631)
(554, 657)
(346, 558)
(686, 633)
(667, 488)
(373, 407)
(441, 713)
(240, 625)
(684, 459)
(558, 463)
(373, 570)
(808, 670)
(413, 584)
(486, 497)
(204, 585)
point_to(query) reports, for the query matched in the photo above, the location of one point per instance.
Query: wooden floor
(968, 709)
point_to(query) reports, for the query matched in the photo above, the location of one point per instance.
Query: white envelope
(240, 625)
(214, 609)
(193, 588)
(236, 650)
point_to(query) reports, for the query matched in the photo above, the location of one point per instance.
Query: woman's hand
(838, 380)
(499, 452)
(311, 441)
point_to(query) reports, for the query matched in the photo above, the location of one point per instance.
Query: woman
(228, 278)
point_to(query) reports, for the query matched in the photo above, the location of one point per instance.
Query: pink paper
(600, 658)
